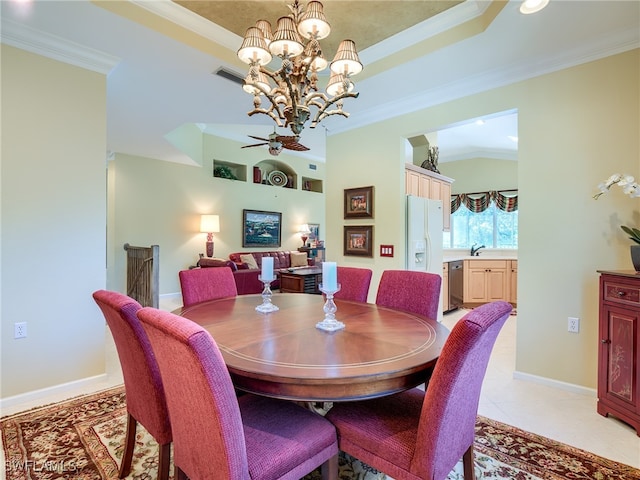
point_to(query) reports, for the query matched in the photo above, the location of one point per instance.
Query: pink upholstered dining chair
(417, 435)
(201, 284)
(218, 435)
(410, 291)
(354, 283)
(144, 392)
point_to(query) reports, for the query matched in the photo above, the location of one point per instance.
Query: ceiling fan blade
(295, 146)
(258, 138)
(255, 145)
(290, 142)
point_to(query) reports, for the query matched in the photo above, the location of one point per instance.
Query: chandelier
(292, 90)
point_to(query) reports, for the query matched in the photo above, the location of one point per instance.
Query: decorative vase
(635, 257)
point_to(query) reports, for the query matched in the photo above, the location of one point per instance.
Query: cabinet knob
(605, 340)
(620, 293)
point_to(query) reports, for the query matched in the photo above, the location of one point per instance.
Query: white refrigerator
(424, 237)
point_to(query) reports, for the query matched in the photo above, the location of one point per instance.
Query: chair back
(142, 381)
(410, 291)
(207, 428)
(202, 284)
(354, 283)
(447, 423)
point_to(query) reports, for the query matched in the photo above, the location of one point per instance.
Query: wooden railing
(142, 274)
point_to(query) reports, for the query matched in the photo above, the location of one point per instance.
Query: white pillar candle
(267, 269)
(329, 276)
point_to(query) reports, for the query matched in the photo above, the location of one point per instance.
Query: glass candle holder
(266, 306)
(330, 324)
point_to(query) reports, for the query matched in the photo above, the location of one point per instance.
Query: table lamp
(304, 232)
(209, 224)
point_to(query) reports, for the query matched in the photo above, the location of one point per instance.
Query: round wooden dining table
(283, 355)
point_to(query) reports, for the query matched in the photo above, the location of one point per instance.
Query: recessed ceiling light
(532, 6)
(479, 122)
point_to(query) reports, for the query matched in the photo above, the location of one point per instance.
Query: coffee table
(301, 280)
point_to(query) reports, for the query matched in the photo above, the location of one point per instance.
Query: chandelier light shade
(286, 41)
(254, 47)
(291, 93)
(265, 28)
(346, 60)
(338, 83)
(313, 23)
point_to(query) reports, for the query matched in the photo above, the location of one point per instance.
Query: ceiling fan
(277, 142)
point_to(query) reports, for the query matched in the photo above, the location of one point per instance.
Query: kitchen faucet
(476, 251)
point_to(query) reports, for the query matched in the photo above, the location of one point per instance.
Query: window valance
(506, 200)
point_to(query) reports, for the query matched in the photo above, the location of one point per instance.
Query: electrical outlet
(574, 325)
(20, 330)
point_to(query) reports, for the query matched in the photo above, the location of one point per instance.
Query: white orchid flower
(625, 180)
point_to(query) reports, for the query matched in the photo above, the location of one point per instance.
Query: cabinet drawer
(621, 293)
(485, 264)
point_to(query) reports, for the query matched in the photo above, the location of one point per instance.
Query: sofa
(246, 272)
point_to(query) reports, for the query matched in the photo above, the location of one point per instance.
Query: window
(493, 227)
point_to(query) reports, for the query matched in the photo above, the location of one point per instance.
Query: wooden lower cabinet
(485, 281)
(619, 347)
(513, 282)
(445, 286)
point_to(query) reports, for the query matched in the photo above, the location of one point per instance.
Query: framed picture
(315, 231)
(358, 202)
(261, 229)
(358, 240)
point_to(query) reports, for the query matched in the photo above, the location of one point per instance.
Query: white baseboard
(54, 393)
(570, 387)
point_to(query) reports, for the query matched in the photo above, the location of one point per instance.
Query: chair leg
(129, 443)
(467, 464)
(178, 474)
(329, 469)
(164, 458)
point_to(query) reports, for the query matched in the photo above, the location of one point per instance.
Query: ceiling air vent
(230, 75)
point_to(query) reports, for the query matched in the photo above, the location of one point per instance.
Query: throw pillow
(249, 260)
(298, 259)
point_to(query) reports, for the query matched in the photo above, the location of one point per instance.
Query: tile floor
(565, 416)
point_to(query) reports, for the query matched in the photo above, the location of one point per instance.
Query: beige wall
(53, 221)
(576, 127)
(159, 203)
(481, 174)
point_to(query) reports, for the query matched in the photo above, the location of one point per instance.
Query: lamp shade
(346, 60)
(252, 86)
(313, 23)
(254, 47)
(210, 223)
(265, 28)
(338, 84)
(286, 39)
(304, 229)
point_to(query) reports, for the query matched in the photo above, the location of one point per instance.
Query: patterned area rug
(82, 439)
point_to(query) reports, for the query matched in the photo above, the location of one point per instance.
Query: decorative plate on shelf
(277, 178)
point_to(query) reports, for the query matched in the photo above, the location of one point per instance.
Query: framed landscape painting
(358, 241)
(358, 202)
(261, 229)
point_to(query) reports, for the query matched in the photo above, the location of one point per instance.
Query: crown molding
(57, 48)
(600, 48)
(191, 21)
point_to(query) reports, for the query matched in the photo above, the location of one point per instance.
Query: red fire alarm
(386, 250)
